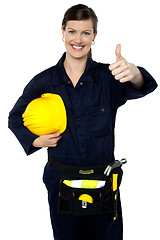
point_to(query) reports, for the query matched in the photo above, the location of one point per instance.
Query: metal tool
(113, 165)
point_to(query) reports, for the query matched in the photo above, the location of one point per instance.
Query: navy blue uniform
(88, 140)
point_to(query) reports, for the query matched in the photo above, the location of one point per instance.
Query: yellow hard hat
(45, 115)
(86, 198)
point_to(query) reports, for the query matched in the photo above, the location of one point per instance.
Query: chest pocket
(100, 120)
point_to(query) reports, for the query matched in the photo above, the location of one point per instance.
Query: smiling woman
(78, 37)
(79, 30)
(81, 13)
(92, 92)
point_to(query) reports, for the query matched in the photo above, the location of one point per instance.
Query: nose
(78, 38)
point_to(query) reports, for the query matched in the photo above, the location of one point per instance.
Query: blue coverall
(88, 140)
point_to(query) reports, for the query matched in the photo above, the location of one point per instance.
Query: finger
(55, 145)
(114, 65)
(126, 79)
(122, 74)
(53, 142)
(118, 58)
(119, 70)
(118, 52)
(51, 145)
(120, 63)
(54, 135)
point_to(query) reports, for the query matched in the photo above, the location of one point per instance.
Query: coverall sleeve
(33, 90)
(121, 92)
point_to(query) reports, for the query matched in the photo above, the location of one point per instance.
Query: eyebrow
(83, 31)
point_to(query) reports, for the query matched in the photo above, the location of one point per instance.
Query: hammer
(113, 165)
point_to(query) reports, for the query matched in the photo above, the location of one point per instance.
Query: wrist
(36, 142)
(138, 80)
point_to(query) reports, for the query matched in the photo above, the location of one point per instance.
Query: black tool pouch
(69, 202)
(104, 199)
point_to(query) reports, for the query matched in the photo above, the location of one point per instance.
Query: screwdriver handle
(115, 194)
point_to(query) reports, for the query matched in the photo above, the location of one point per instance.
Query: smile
(77, 47)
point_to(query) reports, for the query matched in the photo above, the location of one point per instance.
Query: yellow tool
(86, 198)
(115, 192)
(90, 184)
(114, 167)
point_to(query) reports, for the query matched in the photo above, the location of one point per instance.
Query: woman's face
(78, 37)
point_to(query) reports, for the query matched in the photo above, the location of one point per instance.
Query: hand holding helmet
(50, 140)
(46, 117)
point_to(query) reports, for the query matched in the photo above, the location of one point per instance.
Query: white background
(31, 42)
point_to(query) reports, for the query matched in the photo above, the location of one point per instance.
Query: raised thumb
(118, 51)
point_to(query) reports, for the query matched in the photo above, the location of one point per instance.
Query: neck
(75, 65)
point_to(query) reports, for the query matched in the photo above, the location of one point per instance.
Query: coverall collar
(63, 77)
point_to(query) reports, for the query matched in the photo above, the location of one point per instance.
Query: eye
(86, 33)
(71, 32)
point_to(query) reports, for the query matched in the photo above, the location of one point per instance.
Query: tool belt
(88, 201)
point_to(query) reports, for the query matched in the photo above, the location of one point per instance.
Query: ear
(62, 31)
(95, 34)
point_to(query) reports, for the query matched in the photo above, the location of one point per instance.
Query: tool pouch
(104, 199)
(69, 202)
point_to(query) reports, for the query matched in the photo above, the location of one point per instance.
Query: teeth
(77, 47)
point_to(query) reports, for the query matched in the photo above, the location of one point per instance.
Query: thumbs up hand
(125, 71)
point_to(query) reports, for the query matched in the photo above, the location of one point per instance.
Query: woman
(92, 92)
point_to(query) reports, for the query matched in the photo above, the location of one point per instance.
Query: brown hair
(80, 12)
